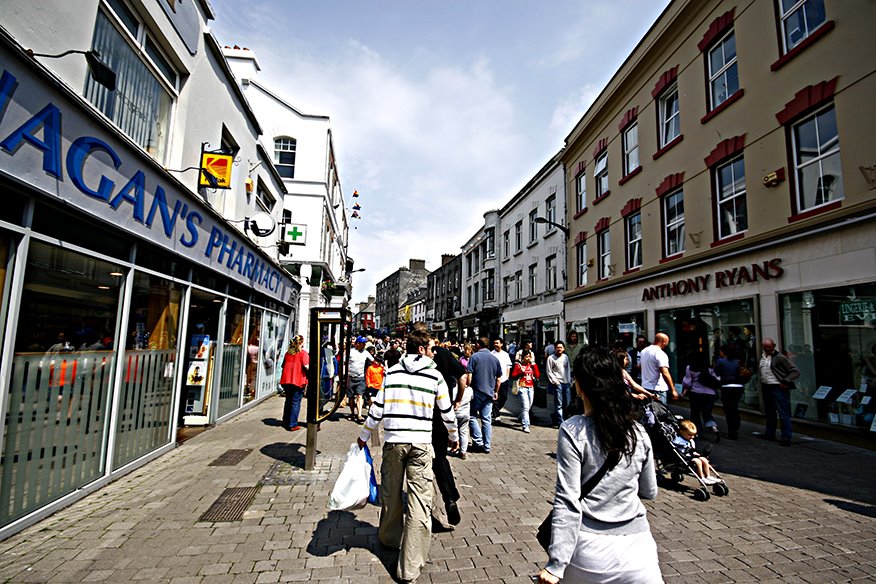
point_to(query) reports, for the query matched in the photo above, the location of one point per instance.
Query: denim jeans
(481, 410)
(463, 415)
(562, 399)
(292, 405)
(776, 399)
(525, 394)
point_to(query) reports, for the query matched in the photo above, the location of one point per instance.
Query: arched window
(284, 156)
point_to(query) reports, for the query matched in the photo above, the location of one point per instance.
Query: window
(730, 186)
(506, 288)
(550, 264)
(673, 220)
(287, 216)
(490, 285)
(146, 82)
(518, 235)
(477, 260)
(506, 244)
(670, 122)
(533, 226)
(284, 156)
(723, 74)
(476, 293)
(631, 148)
(490, 243)
(817, 160)
(264, 197)
(603, 248)
(518, 284)
(580, 182)
(581, 260)
(550, 211)
(600, 174)
(468, 296)
(634, 240)
(533, 279)
(799, 19)
(468, 272)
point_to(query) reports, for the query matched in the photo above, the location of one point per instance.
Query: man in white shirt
(654, 361)
(359, 360)
(559, 374)
(505, 381)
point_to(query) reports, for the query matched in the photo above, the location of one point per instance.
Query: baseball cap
(361, 340)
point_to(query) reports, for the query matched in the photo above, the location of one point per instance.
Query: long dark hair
(599, 377)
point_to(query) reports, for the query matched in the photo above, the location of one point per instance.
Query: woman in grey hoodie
(604, 537)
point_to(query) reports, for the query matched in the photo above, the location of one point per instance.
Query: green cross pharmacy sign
(295, 234)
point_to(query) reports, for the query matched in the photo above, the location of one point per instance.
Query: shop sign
(857, 311)
(626, 327)
(55, 152)
(439, 326)
(738, 276)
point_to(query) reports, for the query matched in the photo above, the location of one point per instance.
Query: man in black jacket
(777, 375)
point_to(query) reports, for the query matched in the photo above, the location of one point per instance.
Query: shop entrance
(200, 349)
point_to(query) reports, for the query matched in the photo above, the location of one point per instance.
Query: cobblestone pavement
(800, 514)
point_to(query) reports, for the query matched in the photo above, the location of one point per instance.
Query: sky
(440, 111)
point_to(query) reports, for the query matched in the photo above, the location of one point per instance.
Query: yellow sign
(219, 168)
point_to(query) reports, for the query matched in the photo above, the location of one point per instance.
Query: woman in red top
(294, 380)
(526, 373)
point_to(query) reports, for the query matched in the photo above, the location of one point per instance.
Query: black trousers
(440, 465)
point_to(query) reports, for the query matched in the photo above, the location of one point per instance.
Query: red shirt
(525, 374)
(293, 369)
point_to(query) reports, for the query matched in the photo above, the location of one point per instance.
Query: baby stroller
(662, 427)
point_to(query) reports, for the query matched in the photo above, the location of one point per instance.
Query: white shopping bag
(354, 483)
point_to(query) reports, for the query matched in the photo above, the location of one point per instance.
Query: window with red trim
(633, 234)
(603, 249)
(799, 18)
(817, 168)
(731, 199)
(673, 223)
(669, 118)
(631, 148)
(723, 71)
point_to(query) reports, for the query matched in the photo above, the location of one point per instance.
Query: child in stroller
(668, 439)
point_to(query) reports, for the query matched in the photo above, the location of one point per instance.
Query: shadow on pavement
(341, 531)
(272, 422)
(865, 510)
(287, 452)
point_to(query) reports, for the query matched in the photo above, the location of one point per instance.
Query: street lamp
(562, 228)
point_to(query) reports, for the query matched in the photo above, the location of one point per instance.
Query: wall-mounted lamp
(211, 178)
(562, 228)
(100, 71)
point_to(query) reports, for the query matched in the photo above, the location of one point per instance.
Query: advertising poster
(197, 373)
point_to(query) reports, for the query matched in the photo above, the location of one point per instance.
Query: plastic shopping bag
(372, 484)
(353, 487)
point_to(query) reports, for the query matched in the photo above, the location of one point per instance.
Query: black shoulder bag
(543, 535)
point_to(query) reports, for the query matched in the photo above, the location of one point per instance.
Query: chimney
(243, 63)
(446, 258)
(417, 265)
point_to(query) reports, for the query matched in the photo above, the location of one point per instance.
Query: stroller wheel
(677, 477)
(720, 489)
(701, 495)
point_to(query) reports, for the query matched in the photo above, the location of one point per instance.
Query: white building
(314, 216)
(532, 256)
(480, 304)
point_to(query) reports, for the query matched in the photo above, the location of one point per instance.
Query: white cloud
(569, 111)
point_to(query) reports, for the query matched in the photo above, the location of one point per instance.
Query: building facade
(443, 297)
(480, 303)
(136, 295)
(392, 293)
(366, 323)
(532, 256)
(721, 189)
(314, 226)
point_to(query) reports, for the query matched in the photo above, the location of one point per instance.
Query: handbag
(543, 535)
(744, 373)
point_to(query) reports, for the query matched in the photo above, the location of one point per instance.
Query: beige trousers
(410, 532)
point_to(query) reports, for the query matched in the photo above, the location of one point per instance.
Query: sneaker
(711, 480)
(462, 455)
(294, 428)
(526, 430)
(474, 447)
(453, 513)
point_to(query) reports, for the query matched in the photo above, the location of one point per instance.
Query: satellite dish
(262, 224)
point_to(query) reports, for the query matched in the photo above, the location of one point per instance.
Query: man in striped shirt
(412, 390)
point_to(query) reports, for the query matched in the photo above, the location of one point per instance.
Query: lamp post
(562, 228)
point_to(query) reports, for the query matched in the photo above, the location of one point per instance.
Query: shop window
(830, 335)
(818, 171)
(146, 82)
(800, 18)
(148, 371)
(533, 226)
(284, 156)
(72, 228)
(59, 393)
(550, 264)
(730, 186)
(631, 148)
(634, 240)
(581, 261)
(253, 336)
(6, 243)
(669, 118)
(581, 191)
(603, 250)
(533, 279)
(232, 358)
(723, 71)
(673, 222)
(600, 175)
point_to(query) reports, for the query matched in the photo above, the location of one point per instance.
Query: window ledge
(632, 270)
(550, 233)
(671, 258)
(668, 147)
(505, 259)
(632, 173)
(579, 213)
(532, 244)
(804, 44)
(601, 197)
(723, 105)
(518, 252)
(816, 211)
(729, 239)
